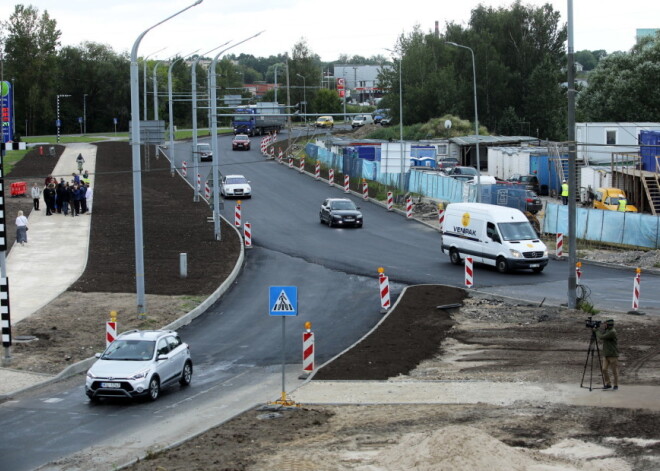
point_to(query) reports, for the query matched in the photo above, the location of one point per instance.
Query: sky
(365, 28)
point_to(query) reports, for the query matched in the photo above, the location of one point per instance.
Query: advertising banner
(7, 111)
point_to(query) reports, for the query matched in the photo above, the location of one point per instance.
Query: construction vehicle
(608, 199)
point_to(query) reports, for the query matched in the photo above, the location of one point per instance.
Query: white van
(492, 235)
(362, 119)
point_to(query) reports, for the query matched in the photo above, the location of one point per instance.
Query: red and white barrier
(207, 190)
(469, 272)
(184, 168)
(636, 289)
(390, 201)
(559, 251)
(247, 235)
(441, 216)
(290, 162)
(280, 154)
(384, 285)
(578, 272)
(264, 145)
(331, 176)
(409, 206)
(301, 165)
(237, 214)
(365, 189)
(308, 352)
(317, 170)
(111, 328)
(347, 184)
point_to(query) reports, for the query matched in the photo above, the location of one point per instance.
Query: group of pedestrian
(64, 197)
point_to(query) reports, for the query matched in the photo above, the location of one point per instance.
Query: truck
(608, 199)
(492, 235)
(259, 119)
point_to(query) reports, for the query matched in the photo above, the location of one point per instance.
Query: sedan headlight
(515, 253)
(139, 375)
(90, 375)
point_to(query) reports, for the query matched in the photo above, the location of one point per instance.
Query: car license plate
(534, 265)
(110, 385)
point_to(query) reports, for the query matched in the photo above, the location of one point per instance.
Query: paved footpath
(53, 259)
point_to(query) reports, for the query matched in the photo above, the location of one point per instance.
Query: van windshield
(517, 231)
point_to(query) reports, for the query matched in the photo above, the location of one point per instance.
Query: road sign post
(283, 302)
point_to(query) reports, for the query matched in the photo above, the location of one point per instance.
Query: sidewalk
(53, 259)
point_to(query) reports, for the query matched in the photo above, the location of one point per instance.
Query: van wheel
(537, 269)
(455, 257)
(502, 265)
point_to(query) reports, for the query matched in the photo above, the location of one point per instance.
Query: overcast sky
(330, 28)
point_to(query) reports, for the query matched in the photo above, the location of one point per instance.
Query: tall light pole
(144, 80)
(137, 170)
(476, 117)
(401, 180)
(304, 95)
(85, 113)
(58, 122)
(572, 172)
(13, 112)
(275, 73)
(155, 82)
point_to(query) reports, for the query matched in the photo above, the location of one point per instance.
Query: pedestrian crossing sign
(283, 301)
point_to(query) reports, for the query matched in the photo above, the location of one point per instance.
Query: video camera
(591, 324)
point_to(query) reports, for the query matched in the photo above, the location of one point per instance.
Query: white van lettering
(465, 230)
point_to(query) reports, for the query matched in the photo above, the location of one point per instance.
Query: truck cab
(608, 199)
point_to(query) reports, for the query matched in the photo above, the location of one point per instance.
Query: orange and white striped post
(301, 165)
(331, 176)
(199, 182)
(636, 288)
(578, 272)
(384, 288)
(308, 349)
(207, 190)
(111, 328)
(559, 244)
(469, 272)
(317, 170)
(409, 206)
(184, 168)
(237, 214)
(279, 155)
(390, 201)
(247, 235)
(365, 189)
(347, 184)
(441, 215)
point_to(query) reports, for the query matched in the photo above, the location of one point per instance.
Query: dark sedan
(533, 202)
(241, 141)
(340, 212)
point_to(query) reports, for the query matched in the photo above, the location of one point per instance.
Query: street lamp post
(137, 175)
(476, 117)
(144, 81)
(304, 95)
(85, 113)
(58, 122)
(275, 71)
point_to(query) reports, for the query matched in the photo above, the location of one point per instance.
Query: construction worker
(564, 193)
(622, 204)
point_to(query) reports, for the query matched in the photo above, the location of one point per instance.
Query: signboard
(6, 111)
(283, 301)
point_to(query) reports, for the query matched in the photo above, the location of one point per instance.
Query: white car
(235, 186)
(139, 363)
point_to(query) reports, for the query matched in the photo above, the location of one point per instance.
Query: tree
(327, 102)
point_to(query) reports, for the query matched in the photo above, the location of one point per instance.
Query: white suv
(139, 363)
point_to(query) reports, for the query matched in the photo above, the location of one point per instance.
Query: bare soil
(484, 341)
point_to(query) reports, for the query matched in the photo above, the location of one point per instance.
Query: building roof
(490, 140)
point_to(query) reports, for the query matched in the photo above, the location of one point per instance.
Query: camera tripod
(593, 347)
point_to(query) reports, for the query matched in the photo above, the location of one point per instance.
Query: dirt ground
(484, 341)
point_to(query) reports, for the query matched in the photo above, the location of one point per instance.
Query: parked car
(236, 186)
(340, 212)
(385, 121)
(325, 122)
(361, 119)
(378, 115)
(531, 182)
(447, 163)
(533, 203)
(240, 141)
(140, 363)
(458, 170)
(204, 151)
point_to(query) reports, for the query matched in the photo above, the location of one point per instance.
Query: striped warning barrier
(409, 207)
(331, 176)
(308, 351)
(111, 328)
(264, 146)
(469, 272)
(290, 162)
(559, 251)
(184, 168)
(247, 235)
(441, 216)
(280, 154)
(636, 289)
(317, 170)
(237, 214)
(199, 182)
(301, 165)
(5, 320)
(384, 285)
(347, 184)
(207, 190)
(390, 201)
(365, 189)
(578, 272)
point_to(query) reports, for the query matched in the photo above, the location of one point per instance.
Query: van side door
(492, 244)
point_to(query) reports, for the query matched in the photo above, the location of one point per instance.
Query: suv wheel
(186, 374)
(154, 388)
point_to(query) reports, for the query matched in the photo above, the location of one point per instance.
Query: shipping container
(650, 150)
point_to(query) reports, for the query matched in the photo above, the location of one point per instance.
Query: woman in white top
(21, 228)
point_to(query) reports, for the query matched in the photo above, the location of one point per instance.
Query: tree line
(519, 57)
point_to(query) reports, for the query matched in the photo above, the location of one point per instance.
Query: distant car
(340, 212)
(204, 152)
(463, 171)
(235, 186)
(447, 163)
(361, 119)
(533, 203)
(240, 141)
(325, 122)
(385, 121)
(531, 182)
(378, 115)
(140, 363)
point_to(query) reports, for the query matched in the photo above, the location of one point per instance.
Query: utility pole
(572, 174)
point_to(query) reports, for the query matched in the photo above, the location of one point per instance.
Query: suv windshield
(517, 231)
(130, 350)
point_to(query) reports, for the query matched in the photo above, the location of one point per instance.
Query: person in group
(89, 194)
(85, 175)
(78, 194)
(60, 192)
(64, 198)
(21, 228)
(75, 178)
(49, 198)
(36, 195)
(564, 193)
(83, 198)
(611, 354)
(80, 161)
(70, 199)
(49, 179)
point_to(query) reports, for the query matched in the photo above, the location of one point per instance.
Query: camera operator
(611, 354)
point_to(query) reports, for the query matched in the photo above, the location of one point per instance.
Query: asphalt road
(237, 346)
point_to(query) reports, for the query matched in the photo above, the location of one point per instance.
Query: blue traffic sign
(283, 301)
